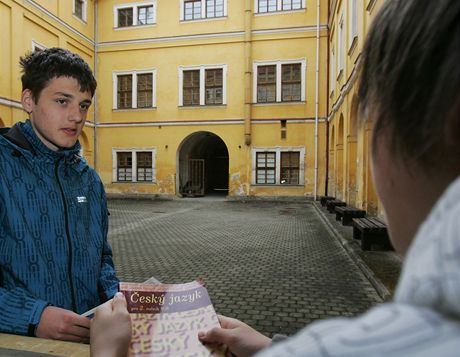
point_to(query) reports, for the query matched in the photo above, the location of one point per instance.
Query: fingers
(119, 303)
(215, 335)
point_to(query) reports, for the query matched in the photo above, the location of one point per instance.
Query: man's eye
(61, 101)
(84, 107)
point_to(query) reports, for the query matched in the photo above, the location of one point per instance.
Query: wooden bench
(346, 214)
(371, 231)
(323, 199)
(332, 204)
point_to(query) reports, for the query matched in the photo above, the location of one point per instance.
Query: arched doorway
(352, 139)
(202, 165)
(339, 160)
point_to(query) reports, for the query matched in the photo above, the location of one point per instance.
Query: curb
(381, 289)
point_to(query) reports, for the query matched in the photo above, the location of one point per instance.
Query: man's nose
(76, 114)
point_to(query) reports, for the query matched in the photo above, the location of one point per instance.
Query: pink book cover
(166, 319)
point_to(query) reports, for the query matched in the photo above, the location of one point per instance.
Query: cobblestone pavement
(274, 265)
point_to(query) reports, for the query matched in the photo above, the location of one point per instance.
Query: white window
(37, 46)
(203, 85)
(278, 166)
(202, 9)
(353, 30)
(134, 165)
(340, 47)
(137, 14)
(79, 9)
(134, 89)
(332, 66)
(279, 81)
(267, 6)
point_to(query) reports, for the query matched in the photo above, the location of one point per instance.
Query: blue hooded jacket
(53, 232)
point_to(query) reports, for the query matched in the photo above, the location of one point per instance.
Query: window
(280, 81)
(202, 85)
(332, 66)
(291, 82)
(353, 31)
(134, 89)
(267, 6)
(340, 47)
(213, 86)
(134, 165)
(290, 168)
(202, 9)
(139, 14)
(266, 84)
(278, 166)
(266, 167)
(79, 9)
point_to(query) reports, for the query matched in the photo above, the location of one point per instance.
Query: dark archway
(202, 165)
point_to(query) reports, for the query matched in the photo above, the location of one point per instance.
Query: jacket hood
(24, 137)
(431, 274)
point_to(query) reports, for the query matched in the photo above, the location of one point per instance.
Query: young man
(410, 88)
(55, 261)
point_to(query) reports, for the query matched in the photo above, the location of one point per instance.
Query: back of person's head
(40, 67)
(410, 79)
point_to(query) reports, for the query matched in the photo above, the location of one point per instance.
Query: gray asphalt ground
(274, 265)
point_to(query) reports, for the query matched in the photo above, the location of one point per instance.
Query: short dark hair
(40, 67)
(410, 76)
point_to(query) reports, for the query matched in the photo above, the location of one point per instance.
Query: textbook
(166, 319)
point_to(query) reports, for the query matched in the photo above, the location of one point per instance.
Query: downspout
(317, 97)
(247, 71)
(95, 95)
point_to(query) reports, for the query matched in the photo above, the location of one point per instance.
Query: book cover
(166, 319)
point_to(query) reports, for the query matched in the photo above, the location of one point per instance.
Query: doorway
(202, 165)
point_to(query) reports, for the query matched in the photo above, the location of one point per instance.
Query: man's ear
(452, 132)
(27, 100)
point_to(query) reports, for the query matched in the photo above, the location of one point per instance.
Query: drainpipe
(247, 71)
(317, 97)
(95, 96)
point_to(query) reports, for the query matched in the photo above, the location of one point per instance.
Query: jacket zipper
(69, 241)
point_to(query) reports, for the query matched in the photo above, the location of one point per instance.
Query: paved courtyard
(274, 265)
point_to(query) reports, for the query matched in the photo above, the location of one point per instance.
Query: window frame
(353, 22)
(84, 10)
(278, 150)
(134, 88)
(279, 64)
(340, 46)
(202, 69)
(203, 12)
(279, 8)
(134, 167)
(37, 46)
(135, 7)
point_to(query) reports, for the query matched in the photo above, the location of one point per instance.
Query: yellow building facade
(349, 139)
(245, 98)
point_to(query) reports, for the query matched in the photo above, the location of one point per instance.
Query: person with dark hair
(410, 88)
(55, 260)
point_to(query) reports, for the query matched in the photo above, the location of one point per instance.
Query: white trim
(278, 150)
(37, 45)
(11, 103)
(133, 152)
(134, 73)
(278, 64)
(83, 11)
(135, 7)
(202, 68)
(58, 20)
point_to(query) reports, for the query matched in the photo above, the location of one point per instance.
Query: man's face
(60, 113)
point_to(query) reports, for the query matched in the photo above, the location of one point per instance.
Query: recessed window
(134, 89)
(202, 9)
(139, 14)
(353, 23)
(278, 166)
(79, 9)
(267, 6)
(134, 165)
(202, 85)
(281, 81)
